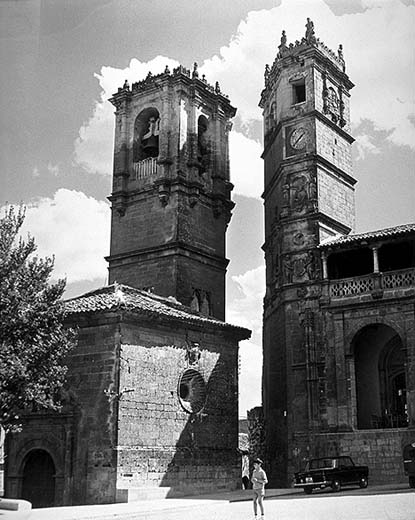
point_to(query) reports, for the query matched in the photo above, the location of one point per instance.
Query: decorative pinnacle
(310, 35)
(283, 40)
(195, 73)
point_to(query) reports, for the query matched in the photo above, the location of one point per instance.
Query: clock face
(298, 138)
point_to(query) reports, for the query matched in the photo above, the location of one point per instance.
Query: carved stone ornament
(288, 269)
(304, 266)
(299, 193)
(192, 353)
(298, 239)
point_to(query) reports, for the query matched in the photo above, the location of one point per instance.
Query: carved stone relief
(299, 268)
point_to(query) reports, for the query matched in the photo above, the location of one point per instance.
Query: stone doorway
(38, 484)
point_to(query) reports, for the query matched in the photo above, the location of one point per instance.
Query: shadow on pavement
(348, 491)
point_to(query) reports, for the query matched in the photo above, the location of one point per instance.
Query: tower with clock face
(308, 196)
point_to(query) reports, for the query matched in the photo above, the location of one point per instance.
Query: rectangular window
(299, 92)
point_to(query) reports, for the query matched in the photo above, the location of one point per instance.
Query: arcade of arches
(380, 364)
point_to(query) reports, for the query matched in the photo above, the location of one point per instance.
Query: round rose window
(192, 391)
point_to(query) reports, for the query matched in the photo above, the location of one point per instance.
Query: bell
(151, 146)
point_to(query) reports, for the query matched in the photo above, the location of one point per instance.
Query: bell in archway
(150, 140)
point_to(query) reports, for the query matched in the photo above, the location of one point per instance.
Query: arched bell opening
(38, 483)
(146, 135)
(380, 375)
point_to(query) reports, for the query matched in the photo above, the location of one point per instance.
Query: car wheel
(336, 485)
(412, 482)
(308, 490)
(363, 482)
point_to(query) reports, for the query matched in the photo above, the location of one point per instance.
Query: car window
(321, 464)
(345, 462)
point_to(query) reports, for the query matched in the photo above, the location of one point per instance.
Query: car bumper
(322, 484)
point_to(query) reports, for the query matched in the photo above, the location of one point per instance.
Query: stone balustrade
(145, 168)
(360, 285)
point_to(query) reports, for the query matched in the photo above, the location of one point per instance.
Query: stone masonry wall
(335, 199)
(333, 147)
(159, 443)
(381, 450)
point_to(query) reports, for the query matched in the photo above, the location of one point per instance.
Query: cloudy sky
(62, 59)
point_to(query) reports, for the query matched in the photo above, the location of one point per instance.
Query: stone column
(375, 259)
(324, 262)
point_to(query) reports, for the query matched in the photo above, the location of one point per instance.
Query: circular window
(192, 391)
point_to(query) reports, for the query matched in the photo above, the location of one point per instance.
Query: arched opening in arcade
(380, 378)
(38, 484)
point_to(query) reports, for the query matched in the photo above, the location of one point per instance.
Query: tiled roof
(369, 236)
(122, 297)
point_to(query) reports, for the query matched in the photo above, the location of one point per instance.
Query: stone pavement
(233, 505)
(144, 507)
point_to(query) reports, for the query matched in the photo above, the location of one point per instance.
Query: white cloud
(378, 46)
(75, 229)
(93, 147)
(246, 165)
(365, 145)
(247, 312)
(250, 380)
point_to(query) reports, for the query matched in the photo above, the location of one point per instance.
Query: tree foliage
(33, 339)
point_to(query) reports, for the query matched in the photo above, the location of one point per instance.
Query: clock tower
(308, 196)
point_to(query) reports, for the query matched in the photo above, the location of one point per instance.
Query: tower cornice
(180, 76)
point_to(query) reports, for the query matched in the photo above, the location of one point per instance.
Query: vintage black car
(409, 463)
(333, 472)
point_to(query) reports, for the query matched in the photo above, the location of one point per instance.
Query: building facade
(338, 333)
(151, 407)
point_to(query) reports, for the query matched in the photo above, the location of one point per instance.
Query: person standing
(259, 479)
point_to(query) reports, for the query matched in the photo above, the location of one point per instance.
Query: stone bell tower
(171, 191)
(308, 196)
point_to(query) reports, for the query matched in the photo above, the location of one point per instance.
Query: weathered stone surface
(318, 382)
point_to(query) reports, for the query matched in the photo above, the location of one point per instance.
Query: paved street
(381, 503)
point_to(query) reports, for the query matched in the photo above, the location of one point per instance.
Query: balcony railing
(145, 168)
(372, 282)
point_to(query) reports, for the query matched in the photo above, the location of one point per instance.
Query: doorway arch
(38, 483)
(380, 377)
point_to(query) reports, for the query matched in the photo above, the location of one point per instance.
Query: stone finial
(204, 78)
(195, 73)
(283, 40)
(310, 35)
(217, 88)
(149, 75)
(167, 70)
(126, 84)
(340, 52)
(267, 72)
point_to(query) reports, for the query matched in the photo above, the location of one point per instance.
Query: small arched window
(146, 134)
